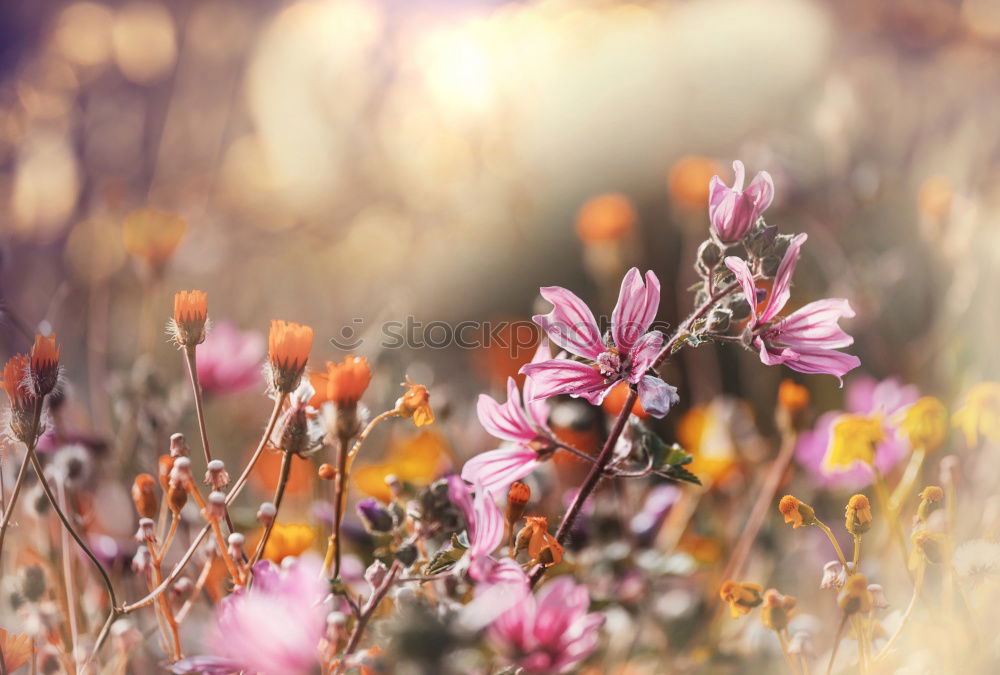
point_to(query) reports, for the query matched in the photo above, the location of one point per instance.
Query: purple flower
(807, 340)
(276, 626)
(863, 396)
(629, 354)
(519, 424)
(230, 360)
(550, 633)
(732, 211)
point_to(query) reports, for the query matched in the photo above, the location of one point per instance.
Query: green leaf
(447, 557)
(667, 460)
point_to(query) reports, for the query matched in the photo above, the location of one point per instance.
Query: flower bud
(879, 600)
(144, 495)
(406, 554)
(142, 561)
(180, 474)
(179, 446)
(215, 507)
(834, 575)
(739, 309)
(517, 499)
(236, 542)
(216, 475)
(719, 320)
(375, 574)
(374, 516)
(146, 531)
(709, 254)
(266, 513)
(327, 471)
(769, 265)
(776, 610)
(164, 465)
(855, 597)
(798, 513)
(930, 496)
(176, 499)
(761, 239)
(858, 515)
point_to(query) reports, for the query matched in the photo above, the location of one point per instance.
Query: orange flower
(14, 649)
(792, 397)
(286, 540)
(16, 383)
(606, 217)
(415, 403)
(798, 513)
(190, 315)
(858, 515)
(542, 546)
(44, 364)
(615, 399)
(343, 383)
(153, 235)
(741, 597)
(689, 179)
(289, 345)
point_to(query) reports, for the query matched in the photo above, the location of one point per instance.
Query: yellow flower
(925, 423)
(741, 597)
(152, 234)
(796, 512)
(419, 460)
(980, 416)
(415, 403)
(292, 539)
(853, 439)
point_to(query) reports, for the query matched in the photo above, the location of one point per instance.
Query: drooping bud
(216, 475)
(215, 506)
(415, 403)
(858, 515)
(236, 542)
(741, 597)
(739, 309)
(142, 561)
(796, 512)
(834, 575)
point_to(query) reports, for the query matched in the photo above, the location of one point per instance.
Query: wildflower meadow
(499, 338)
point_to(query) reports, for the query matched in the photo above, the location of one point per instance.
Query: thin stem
(366, 613)
(833, 540)
(918, 586)
(220, 540)
(241, 481)
(836, 644)
(36, 421)
(789, 661)
(33, 458)
(286, 469)
(67, 565)
(593, 477)
(882, 495)
(198, 586)
(910, 475)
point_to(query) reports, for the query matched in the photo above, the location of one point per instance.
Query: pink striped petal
(506, 421)
(744, 276)
(637, 305)
(563, 376)
(782, 289)
(815, 325)
(497, 469)
(644, 353)
(570, 324)
(536, 407)
(656, 396)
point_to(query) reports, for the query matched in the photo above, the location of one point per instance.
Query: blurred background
(327, 161)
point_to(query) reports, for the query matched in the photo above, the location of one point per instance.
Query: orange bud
(327, 472)
(164, 466)
(144, 496)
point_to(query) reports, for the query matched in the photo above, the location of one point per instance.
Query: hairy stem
(286, 469)
(36, 422)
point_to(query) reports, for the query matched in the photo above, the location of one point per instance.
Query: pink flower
(732, 211)
(276, 626)
(631, 351)
(807, 340)
(519, 424)
(864, 396)
(550, 633)
(498, 585)
(230, 360)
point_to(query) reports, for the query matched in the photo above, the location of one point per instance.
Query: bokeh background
(326, 161)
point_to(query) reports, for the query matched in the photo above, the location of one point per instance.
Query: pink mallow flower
(276, 626)
(230, 360)
(863, 396)
(732, 211)
(806, 340)
(499, 585)
(628, 355)
(523, 426)
(550, 633)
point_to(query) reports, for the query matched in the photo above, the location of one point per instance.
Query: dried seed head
(180, 475)
(266, 513)
(215, 507)
(236, 542)
(216, 475)
(179, 446)
(146, 531)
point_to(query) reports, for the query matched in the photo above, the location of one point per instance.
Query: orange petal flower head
(289, 345)
(190, 316)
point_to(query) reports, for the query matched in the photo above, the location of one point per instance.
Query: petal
(535, 406)
(815, 325)
(761, 190)
(644, 354)
(657, 396)
(563, 376)
(489, 524)
(783, 279)
(497, 469)
(823, 361)
(570, 324)
(461, 496)
(637, 305)
(739, 175)
(504, 587)
(739, 267)
(505, 421)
